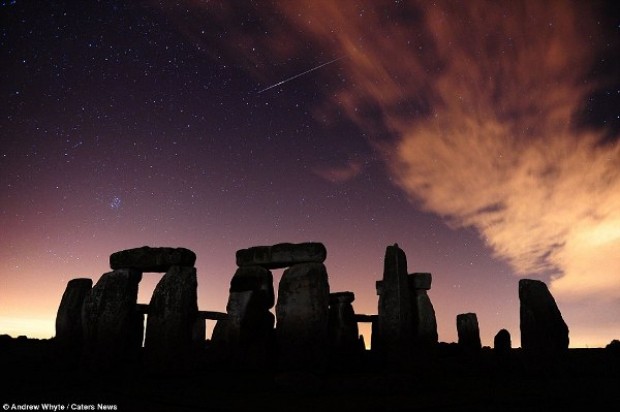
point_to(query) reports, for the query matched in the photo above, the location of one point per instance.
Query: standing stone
(258, 280)
(111, 320)
(468, 331)
(199, 332)
(152, 259)
(281, 255)
(172, 314)
(246, 337)
(343, 330)
(423, 314)
(502, 343)
(302, 314)
(394, 324)
(542, 328)
(69, 330)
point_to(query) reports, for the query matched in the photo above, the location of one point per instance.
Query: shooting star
(300, 74)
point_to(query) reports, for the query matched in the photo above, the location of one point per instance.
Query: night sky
(481, 136)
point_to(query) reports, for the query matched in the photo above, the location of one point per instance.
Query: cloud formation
(482, 99)
(473, 106)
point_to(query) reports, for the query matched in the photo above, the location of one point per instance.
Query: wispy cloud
(478, 101)
(482, 98)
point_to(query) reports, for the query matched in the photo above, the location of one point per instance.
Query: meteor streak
(300, 74)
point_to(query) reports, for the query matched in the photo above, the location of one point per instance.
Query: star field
(488, 152)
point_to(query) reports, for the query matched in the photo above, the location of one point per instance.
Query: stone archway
(112, 322)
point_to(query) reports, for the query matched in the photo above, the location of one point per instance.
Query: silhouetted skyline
(483, 138)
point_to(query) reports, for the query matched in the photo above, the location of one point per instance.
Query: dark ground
(582, 380)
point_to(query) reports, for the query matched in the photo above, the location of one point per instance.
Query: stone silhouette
(246, 337)
(302, 313)
(111, 322)
(152, 259)
(172, 314)
(502, 343)
(468, 332)
(281, 255)
(315, 330)
(69, 329)
(543, 330)
(343, 330)
(199, 332)
(394, 324)
(422, 311)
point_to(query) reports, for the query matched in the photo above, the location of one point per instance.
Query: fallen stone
(302, 312)
(152, 259)
(468, 332)
(542, 328)
(172, 315)
(281, 255)
(112, 324)
(69, 330)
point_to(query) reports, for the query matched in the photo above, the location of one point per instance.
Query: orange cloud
(478, 100)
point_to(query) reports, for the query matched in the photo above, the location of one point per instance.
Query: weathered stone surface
(246, 339)
(302, 314)
(256, 279)
(420, 280)
(502, 343)
(69, 330)
(424, 320)
(468, 331)
(112, 324)
(343, 330)
(152, 259)
(172, 312)
(394, 324)
(542, 328)
(422, 311)
(281, 255)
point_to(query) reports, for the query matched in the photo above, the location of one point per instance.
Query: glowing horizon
(483, 138)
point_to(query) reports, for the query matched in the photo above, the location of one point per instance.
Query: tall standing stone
(111, 321)
(69, 330)
(468, 332)
(246, 336)
(395, 321)
(343, 330)
(542, 328)
(172, 314)
(302, 315)
(423, 314)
